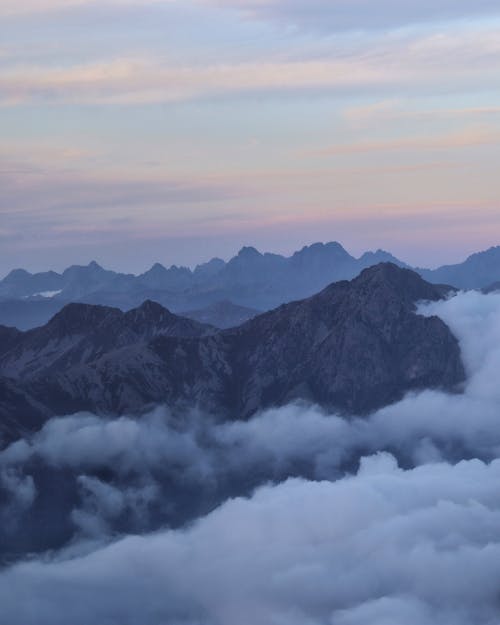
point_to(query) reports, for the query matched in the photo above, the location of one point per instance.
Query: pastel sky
(135, 131)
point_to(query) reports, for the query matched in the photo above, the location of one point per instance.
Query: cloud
(143, 81)
(19, 493)
(342, 15)
(467, 138)
(103, 504)
(444, 61)
(326, 15)
(421, 545)
(390, 110)
(297, 439)
(47, 204)
(385, 520)
(10, 8)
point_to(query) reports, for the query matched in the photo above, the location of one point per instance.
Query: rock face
(81, 334)
(353, 347)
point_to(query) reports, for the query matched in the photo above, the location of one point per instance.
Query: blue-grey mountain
(353, 347)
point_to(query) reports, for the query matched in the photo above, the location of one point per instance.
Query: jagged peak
(491, 251)
(381, 254)
(156, 268)
(179, 269)
(407, 283)
(151, 308)
(321, 248)
(377, 252)
(212, 266)
(15, 274)
(92, 266)
(78, 315)
(151, 318)
(249, 252)
(387, 271)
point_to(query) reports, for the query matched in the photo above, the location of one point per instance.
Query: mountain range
(353, 347)
(224, 293)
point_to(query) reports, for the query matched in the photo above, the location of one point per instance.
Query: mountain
(251, 280)
(492, 288)
(353, 347)
(174, 278)
(368, 259)
(209, 269)
(82, 333)
(21, 283)
(222, 315)
(28, 313)
(477, 272)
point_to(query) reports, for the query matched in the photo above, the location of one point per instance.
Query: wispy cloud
(338, 15)
(331, 15)
(438, 63)
(13, 8)
(467, 138)
(140, 81)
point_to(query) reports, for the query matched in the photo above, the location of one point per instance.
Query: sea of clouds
(296, 517)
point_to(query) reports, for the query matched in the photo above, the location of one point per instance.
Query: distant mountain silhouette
(492, 288)
(477, 272)
(250, 280)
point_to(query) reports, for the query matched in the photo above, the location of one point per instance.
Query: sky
(136, 131)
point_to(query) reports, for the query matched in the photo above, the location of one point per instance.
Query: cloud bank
(385, 546)
(302, 517)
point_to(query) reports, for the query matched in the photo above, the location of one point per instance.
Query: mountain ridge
(251, 280)
(353, 347)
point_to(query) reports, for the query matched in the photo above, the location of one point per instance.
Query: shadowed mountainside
(353, 347)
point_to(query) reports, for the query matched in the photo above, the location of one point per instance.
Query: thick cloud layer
(386, 520)
(387, 546)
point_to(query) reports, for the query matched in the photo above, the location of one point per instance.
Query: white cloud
(421, 545)
(380, 546)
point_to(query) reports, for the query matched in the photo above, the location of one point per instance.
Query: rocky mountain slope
(353, 347)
